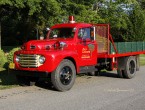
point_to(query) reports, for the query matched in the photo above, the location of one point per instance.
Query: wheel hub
(132, 67)
(66, 75)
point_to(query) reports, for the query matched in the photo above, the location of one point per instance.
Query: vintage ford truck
(72, 48)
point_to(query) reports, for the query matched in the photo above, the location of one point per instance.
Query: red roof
(71, 25)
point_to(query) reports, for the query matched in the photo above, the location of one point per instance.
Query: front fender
(59, 56)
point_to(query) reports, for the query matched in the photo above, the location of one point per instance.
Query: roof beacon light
(71, 19)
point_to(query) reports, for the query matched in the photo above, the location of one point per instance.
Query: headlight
(17, 59)
(41, 59)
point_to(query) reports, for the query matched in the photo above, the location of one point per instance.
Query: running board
(85, 69)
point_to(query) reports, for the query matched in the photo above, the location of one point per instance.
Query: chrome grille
(28, 60)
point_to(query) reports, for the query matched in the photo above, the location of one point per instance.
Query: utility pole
(0, 35)
(37, 33)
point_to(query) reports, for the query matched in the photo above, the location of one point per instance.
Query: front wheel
(64, 76)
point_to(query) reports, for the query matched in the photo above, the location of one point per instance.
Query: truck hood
(43, 44)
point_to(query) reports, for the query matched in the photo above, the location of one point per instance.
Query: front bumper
(31, 74)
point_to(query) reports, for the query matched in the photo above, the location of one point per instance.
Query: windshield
(61, 33)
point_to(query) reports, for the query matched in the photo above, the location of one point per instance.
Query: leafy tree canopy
(21, 19)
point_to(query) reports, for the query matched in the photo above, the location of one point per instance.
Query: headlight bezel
(17, 58)
(42, 59)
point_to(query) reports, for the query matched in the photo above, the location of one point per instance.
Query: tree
(126, 18)
(26, 16)
(23, 17)
(136, 25)
(2, 14)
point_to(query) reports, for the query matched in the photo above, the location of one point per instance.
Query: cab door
(86, 47)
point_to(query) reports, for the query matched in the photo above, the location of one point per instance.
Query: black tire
(120, 73)
(63, 77)
(130, 68)
(25, 81)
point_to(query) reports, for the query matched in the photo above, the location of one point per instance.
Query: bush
(10, 55)
(3, 59)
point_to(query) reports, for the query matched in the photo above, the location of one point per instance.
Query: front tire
(64, 76)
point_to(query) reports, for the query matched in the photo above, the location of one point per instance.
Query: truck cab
(77, 38)
(69, 48)
(72, 48)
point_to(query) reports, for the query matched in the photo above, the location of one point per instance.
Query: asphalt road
(105, 92)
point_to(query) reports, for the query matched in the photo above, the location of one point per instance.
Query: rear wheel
(64, 76)
(130, 69)
(127, 67)
(120, 73)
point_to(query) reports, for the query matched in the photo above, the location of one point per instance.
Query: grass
(142, 55)
(142, 59)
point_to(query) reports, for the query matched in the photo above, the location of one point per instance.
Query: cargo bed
(107, 48)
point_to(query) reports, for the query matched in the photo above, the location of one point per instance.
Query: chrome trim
(29, 60)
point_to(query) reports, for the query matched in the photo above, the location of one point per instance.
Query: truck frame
(72, 48)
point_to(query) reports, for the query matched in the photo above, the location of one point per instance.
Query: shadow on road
(7, 78)
(109, 74)
(45, 84)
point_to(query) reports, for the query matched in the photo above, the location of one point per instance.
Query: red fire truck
(72, 48)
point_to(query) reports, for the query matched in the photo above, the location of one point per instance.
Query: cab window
(61, 33)
(84, 33)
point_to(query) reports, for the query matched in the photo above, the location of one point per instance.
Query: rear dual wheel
(129, 69)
